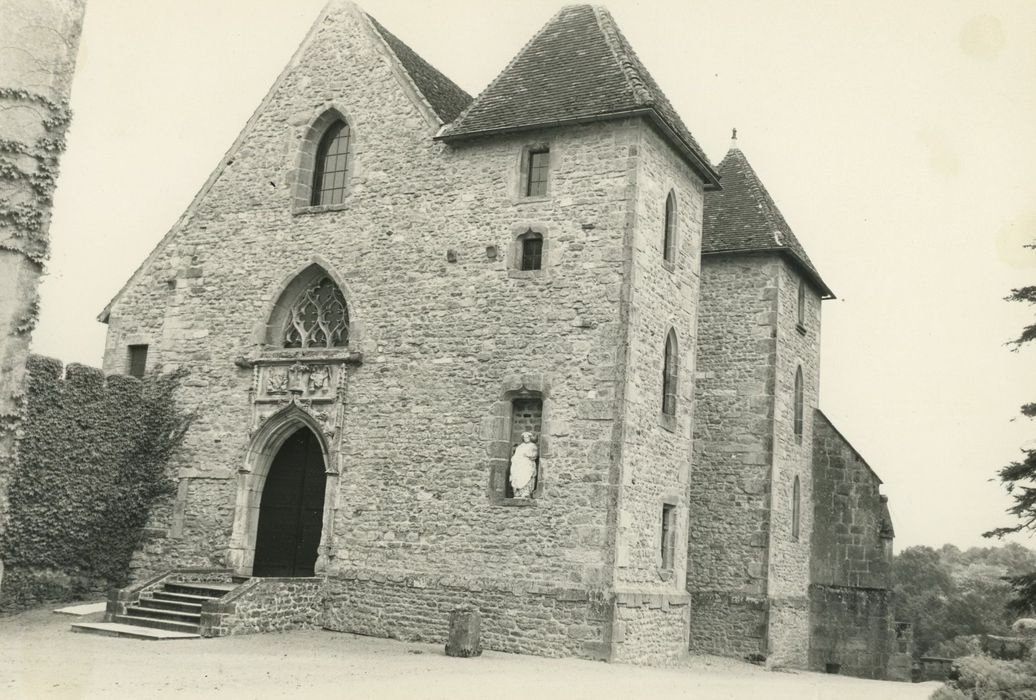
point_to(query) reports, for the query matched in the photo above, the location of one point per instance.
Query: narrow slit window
(802, 305)
(670, 372)
(331, 166)
(539, 164)
(669, 242)
(796, 506)
(668, 535)
(137, 360)
(798, 405)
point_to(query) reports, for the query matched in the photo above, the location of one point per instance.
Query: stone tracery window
(318, 318)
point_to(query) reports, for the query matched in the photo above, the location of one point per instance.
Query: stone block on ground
(465, 633)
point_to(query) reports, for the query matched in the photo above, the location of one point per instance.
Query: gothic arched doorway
(292, 509)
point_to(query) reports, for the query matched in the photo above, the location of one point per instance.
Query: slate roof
(743, 218)
(446, 97)
(577, 68)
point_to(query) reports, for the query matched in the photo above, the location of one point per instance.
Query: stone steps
(171, 612)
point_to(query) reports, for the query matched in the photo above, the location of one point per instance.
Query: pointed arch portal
(291, 510)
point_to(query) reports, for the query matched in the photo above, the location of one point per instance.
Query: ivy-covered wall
(92, 461)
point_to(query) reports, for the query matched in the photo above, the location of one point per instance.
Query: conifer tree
(1019, 477)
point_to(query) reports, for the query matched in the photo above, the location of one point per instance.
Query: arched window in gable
(670, 372)
(669, 239)
(311, 314)
(331, 166)
(798, 405)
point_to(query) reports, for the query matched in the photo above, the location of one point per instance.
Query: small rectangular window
(539, 163)
(137, 360)
(668, 535)
(532, 253)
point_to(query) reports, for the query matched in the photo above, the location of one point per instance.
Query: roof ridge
(507, 68)
(621, 51)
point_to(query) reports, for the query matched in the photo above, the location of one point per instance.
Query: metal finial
(733, 134)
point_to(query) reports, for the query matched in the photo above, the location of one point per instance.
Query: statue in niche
(523, 467)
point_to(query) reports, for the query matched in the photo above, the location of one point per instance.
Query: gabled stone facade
(455, 347)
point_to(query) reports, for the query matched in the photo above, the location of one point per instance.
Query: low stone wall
(728, 625)
(650, 629)
(519, 619)
(121, 598)
(265, 605)
(850, 630)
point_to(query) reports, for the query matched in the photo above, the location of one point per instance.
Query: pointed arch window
(330, 169)
(670, 372)
(798, 405)
(669, 238)
(317, 318)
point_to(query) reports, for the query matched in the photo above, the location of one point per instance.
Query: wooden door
(291, 510)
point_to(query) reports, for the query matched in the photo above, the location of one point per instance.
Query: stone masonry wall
(517, 618)
(798, 346)
(850, 599)
(442, 341)
(851, 546)
(851, 628)
(650, 628)
(265, 605)
(729, 494)
(656, 449)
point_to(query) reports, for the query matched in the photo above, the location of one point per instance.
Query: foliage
(949, 593)
(983, 678)
(92, 462)
(1019, 478)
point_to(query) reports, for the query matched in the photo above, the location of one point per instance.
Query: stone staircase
(172, 611)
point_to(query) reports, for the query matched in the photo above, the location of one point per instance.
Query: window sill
(526, 274)
(531, 200)
(319, 208)
(517, 502)
(800, 328)
(667, 422)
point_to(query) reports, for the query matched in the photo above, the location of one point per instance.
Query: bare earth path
(40, 658)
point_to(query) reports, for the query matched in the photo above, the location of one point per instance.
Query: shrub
(984, 678)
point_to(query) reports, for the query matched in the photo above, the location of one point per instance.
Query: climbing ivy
(93, 461)
(25, 217)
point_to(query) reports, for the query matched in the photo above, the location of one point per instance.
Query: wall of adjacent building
(850, 592)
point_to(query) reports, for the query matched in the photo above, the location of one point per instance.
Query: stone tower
(755, 393)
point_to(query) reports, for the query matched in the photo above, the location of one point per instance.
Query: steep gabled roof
(446, 97)
(577, 68)
(743, 218)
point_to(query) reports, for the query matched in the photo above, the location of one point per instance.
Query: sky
(897, 138)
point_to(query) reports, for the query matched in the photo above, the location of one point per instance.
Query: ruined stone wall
(729, 494)
(850, 596)
(656, 448)
(445, 328)
(798, 346)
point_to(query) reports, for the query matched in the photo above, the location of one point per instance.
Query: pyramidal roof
(743, 218)
(577, 68)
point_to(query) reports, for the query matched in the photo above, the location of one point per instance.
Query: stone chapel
(385, 283)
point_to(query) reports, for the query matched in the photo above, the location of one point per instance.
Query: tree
(1019, 478)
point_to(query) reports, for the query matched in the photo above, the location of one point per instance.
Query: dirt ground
(41, 658)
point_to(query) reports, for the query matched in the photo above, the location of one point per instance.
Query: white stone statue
(523, 467)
